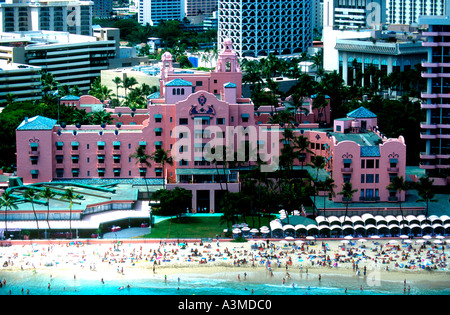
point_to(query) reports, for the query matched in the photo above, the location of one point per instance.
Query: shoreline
(158, 258)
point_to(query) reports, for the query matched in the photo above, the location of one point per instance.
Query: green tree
(47, 193)
(31, 195)
(128, 83)
(426, 191)
(70, 196)
(162, 157)
(143, 160)
(172, 202)
(399, 185)
(9, 202)
(118, 82)
(347, 195)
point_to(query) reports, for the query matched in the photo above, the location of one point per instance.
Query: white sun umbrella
(236, 231)
(408, 241)
(427, 237)
(403, 236)
(345, 241)
(348, 237)
(362, 240)
(437, 242)
(420, 241)
(254, 231)
(393, 242)
(289, 238)
(440, 237)
(374, 236)
(310, 238)
(245, 228)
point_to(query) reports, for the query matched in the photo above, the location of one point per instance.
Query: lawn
(194, 227)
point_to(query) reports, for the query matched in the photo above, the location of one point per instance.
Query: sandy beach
(263, 261)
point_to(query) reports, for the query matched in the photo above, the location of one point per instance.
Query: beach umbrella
(427, 237)
(235, 226)
(374, 236)
(403, 236)
(289, 238)
(345, 241)
(440, 237)
(420, 241)
(254, 231)
(236, 231)
(348, 237)
(310, 237)
(393, 242)
(437, 242)
(362, 240)
(408, 241)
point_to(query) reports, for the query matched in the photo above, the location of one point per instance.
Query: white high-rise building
(408, 11)
(71, 16)
(260, 27)
(154, 11)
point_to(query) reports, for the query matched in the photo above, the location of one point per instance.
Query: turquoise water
(37, 284)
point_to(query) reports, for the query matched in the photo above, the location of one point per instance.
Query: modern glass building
(436, 100)
(260, 27)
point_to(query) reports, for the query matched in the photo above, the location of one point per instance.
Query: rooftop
(37, 123)
(361, 112)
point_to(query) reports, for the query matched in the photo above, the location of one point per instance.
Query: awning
(142, 142)
(75, 170)
(59, 144)
(35, 172)
(34, 144)
(158, 129)
(158, 115)
(347, 161)
(75, 143)
(100, 143)
(115, 143)
(245, 115)
(393, 160)
(117, 170)
(158, 142)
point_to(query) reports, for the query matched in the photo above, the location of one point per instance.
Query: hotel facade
(192, 113)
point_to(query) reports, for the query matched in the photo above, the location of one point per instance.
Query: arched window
(182, 91)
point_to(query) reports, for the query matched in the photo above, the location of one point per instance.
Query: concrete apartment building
(71, 16)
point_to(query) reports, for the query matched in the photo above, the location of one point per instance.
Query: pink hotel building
(193, 111)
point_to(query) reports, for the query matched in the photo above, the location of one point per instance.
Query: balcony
(428, 106)
(393, 169)
(429, 75)
(443, 136)
(347, 169)
(425, 125)
(427, 156)
(426, 95)
(427, 136)
(33, 153)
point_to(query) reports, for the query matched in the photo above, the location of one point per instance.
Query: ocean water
(17, 283)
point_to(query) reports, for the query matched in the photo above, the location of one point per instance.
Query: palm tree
(162, 157)
(70, 196)
(8, 202)
(399, 185)
(47, 193)
(425, 189)
(317, 162)
(301, 143)
(328, 186)
(128, 83)
(31, 195)
(142, 158)
(117, 81)
(347, 195)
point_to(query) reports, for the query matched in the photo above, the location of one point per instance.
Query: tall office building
(354, 14)
(436, 128)
(74, 60)
(201, 7)
(408, 11)
(154, 11)
(71, 16)
(102, 9)
(260, 27)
